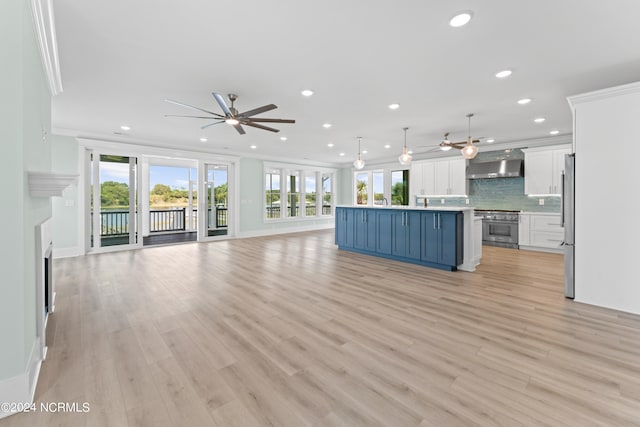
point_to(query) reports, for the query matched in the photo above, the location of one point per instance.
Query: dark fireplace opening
(48, 278)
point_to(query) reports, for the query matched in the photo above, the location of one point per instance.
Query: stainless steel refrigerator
(568, 222)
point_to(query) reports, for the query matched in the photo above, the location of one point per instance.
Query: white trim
(22, 387)
(67, 252)
(45, 29)
(275, 231)
(541, 249)
(603, 94)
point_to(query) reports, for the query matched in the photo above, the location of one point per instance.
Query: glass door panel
(217, 188)
(114, 201)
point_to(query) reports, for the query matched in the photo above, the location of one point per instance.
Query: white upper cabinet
(439, 177)
(543, 169)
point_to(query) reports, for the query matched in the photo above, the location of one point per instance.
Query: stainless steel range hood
(511, 168)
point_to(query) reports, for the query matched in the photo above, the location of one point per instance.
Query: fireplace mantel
(43, 184)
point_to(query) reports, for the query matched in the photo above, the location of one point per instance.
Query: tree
(114, 194)
(161, 190)
(398, 194)
(361, 193)
(221, 194)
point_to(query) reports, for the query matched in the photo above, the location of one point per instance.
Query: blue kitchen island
(429, 237)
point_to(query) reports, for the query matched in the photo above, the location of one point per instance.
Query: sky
(174, 177)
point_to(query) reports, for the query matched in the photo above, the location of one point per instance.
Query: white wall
(607, 125)
(24, 146)
(66, 215)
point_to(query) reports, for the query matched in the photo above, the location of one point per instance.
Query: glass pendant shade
(358, 163)
(405, 157)
(469, 151)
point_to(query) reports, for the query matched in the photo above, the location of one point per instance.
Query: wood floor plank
(287, 330)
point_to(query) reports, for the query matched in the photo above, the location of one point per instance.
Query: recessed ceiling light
(490, 140)
(524, 101)
(364, 151)
(283, 138)
(394, 106)
(253, 147)
(461, 19)
(330, 145)
(554, 132)
(503, 74)
(342, 154)
(387, 146)
(307, 92)
(125, 127)
(203, 139)
(326, 125)
(539, 119)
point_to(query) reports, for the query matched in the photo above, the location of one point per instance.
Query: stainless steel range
(499, 228)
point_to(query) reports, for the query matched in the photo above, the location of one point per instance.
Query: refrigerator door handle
(562, 202)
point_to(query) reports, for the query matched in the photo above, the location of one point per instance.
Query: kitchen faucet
(386, 202)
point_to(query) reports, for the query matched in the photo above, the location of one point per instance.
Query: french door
(216, 212)
(113, 209)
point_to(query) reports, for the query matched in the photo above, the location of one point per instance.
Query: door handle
(562, 201)
(434, 221)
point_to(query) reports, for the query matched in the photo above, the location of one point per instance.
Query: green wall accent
(24, 147)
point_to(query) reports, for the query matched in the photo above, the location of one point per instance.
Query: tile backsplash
(500, 193)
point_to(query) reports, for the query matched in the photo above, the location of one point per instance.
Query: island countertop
(412, 208)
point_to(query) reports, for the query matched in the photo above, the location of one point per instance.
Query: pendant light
(405, 157)
(358, 163)
(469, 151)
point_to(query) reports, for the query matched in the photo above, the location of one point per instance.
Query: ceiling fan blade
(258, 110)
(255, 125)
(239, 128)
(211, 124)
(222, 104)
(258, 120)
(190, 117)
(191, 106)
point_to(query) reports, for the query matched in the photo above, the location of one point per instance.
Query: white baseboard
(67, 252)
(541, 249)
(274, 231)
(22, 387)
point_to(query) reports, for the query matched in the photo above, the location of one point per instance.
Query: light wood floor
(289, 331)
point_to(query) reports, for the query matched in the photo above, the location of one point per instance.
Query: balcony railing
(273, 212)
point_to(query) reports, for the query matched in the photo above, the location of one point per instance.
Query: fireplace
(45, 290)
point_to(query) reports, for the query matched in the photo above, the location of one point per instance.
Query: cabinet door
(430, 243)
(523, 230)
(360, 229)
(538, 171)
(413, 233)
(458, 177)
(558, 169)
(448, 237)
(441, 180)
(370, 221)
(428, 178)
(415, 180)
(398, 234)
(344, 227)
(383, 231)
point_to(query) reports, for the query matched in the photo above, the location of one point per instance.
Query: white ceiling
(121, 58)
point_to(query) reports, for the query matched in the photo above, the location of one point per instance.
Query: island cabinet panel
(345, 223)
(384, 226)
(442, 243)
(365, 229)
(431, 238)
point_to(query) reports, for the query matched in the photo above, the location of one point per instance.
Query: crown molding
(44, 184)
(45, 28)
(603, 94)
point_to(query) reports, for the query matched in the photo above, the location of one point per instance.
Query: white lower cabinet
(540, 231)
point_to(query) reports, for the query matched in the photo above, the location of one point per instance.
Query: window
(272, 193)
(400, 188)
(293, 194)
(301, 193)
(378, 188)
(327, 194)
(310, 194)
(362, 188)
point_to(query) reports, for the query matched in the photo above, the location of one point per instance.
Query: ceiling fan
(232, 116)
(467, 148)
